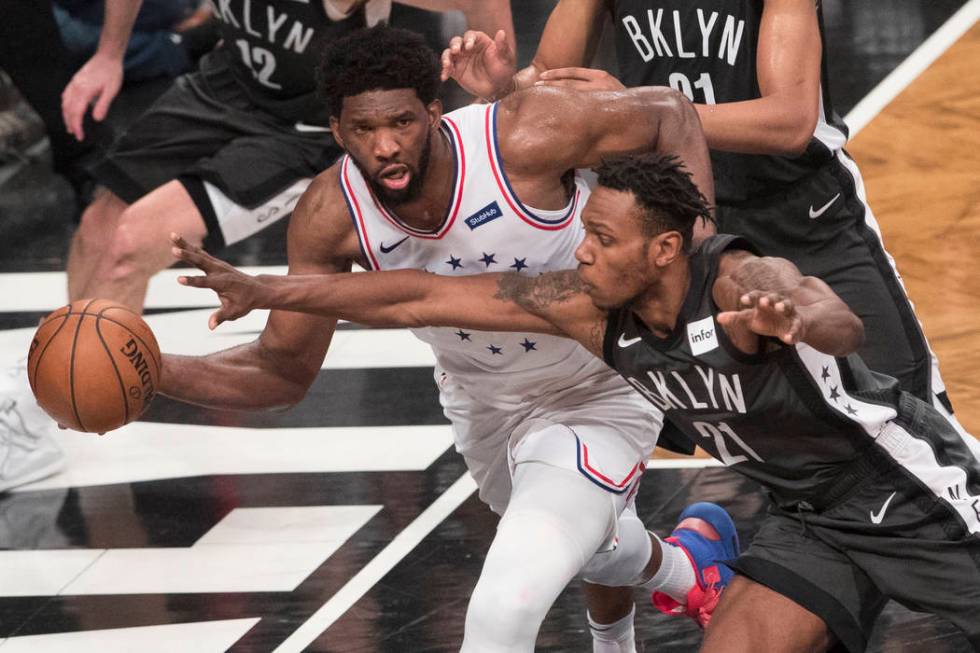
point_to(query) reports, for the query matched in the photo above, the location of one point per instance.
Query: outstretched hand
(767, 314)
(483, 66)
(239, 292)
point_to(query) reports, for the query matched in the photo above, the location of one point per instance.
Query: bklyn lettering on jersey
(709, 390)
(659, 33)
(273, 26)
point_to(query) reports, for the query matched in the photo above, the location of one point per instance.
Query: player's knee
(506, 611)
(626, 563)
(135, 247)
(96, 224)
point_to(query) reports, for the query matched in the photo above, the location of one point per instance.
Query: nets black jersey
(788, 417)
(707, 50)
(271, 47)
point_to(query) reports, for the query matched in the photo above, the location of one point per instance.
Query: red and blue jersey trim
(629, 483)
(356, 216)
(451, 130)
(497, 167)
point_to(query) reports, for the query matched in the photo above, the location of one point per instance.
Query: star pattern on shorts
(834, 394)
(850, 409)
(455, 262)
(519, 263)
(825, 374)
(488, 259)
(496, 351)
(529, 346)
(463, 335)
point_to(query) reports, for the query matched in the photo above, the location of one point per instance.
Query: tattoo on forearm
(537, 293)
(765, 273)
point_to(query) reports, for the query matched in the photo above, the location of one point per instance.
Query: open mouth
(395, 177)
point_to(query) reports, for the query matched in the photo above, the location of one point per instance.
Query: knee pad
(623, 565)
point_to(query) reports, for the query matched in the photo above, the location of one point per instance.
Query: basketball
(93, 365)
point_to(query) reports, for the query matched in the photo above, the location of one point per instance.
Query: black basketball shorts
(243, 167)
(909, 532)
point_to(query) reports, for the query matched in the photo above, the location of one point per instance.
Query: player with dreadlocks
(873, 492)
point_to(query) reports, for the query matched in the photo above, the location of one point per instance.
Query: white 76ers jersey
(487, 229)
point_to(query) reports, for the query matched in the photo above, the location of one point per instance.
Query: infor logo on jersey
(701, 336)
(489, 212)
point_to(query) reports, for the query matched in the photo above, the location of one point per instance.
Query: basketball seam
(71, 366)
(115, 368)
(146, 348)
(31, 377)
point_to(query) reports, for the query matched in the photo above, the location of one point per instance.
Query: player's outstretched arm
(769, 296)
(553, 303)
(275, 370)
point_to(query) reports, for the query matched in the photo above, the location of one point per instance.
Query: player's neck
(661, 303)
(428, 210)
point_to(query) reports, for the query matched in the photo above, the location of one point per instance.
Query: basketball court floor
(349, 524)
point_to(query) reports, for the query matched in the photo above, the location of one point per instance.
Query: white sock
(617, 637)
(675, 577)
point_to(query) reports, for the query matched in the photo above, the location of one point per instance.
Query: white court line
(46, 291)
(403, 544)
(913, 66)
(382, 563)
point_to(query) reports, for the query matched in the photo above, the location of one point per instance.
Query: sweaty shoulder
(321, 234)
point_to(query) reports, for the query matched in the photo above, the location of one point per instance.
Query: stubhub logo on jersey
(489, 212)
(701, 336)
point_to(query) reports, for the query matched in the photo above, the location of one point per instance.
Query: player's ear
(335, 128)
(668, 246)
(434, 110)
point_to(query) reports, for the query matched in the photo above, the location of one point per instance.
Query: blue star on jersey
(455, 262)
(463, 335)
(496, 351)
(519, 263)
(529, 346)
(488, 259)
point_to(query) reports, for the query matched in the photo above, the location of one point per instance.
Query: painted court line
(382, 563)
(913, 66)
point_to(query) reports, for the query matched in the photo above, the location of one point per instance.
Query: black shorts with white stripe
(908, 530)
(206, 130)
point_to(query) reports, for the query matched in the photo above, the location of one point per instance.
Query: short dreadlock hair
(377, 58)
(669, 199)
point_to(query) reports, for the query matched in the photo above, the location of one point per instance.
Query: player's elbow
(796, 131)
(675, 108)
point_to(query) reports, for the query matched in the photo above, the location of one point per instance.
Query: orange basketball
(93, 365)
